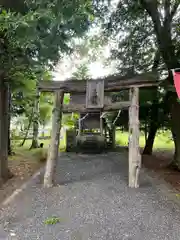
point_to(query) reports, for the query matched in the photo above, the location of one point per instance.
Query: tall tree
(144, 28)
(35, 121)
(33, 36)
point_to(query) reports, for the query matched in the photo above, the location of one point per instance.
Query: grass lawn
(27, 145)
(162, 140)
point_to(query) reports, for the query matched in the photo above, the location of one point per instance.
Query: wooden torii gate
(110, 84)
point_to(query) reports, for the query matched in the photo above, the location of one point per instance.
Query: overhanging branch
(169, 14)
(167, 20)
(152, 8)
(174, 9)
(156, 60)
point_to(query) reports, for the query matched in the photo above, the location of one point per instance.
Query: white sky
(96, 69)
(66, 67)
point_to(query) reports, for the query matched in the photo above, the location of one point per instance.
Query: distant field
(162, 140)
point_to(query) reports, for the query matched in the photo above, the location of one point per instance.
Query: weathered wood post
(114, 137)
(79, 127)
(101, 125)
(134, 154)
(55, 136)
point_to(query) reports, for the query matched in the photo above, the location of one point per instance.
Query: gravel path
(93, 202)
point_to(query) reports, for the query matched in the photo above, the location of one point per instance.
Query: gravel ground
(92, 201)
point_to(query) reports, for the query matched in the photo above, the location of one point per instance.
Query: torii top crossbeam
(111, 83)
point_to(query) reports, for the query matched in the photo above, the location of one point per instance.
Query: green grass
(52, 220)
(35, 154)
(162, 140)
(27, 145)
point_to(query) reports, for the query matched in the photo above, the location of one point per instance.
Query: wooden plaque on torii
(95, 94)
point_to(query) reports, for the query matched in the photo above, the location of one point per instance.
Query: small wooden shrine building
(91, 96)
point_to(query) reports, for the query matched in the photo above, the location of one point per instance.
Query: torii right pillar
(134, 152)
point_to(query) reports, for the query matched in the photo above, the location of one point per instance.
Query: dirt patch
(23, 165)
(158, 163)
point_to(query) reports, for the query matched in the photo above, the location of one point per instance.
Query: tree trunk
(152, 129)
(145, 130)
(4, 173)
(9, 141)
(55, 136)
(9, 125)
(175, 128)
(173, 107)
(150, 140)
(35, 123)
(27, 130)
(114, 137)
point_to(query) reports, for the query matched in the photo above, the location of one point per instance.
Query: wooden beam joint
(81, 108)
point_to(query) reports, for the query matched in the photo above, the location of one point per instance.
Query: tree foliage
(45, 109)
(134, 27)
(146, 38)
(33, 37)
(82, 72)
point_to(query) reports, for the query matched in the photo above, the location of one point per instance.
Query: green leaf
(52, 220)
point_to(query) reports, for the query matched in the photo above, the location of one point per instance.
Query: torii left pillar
(55, 136)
